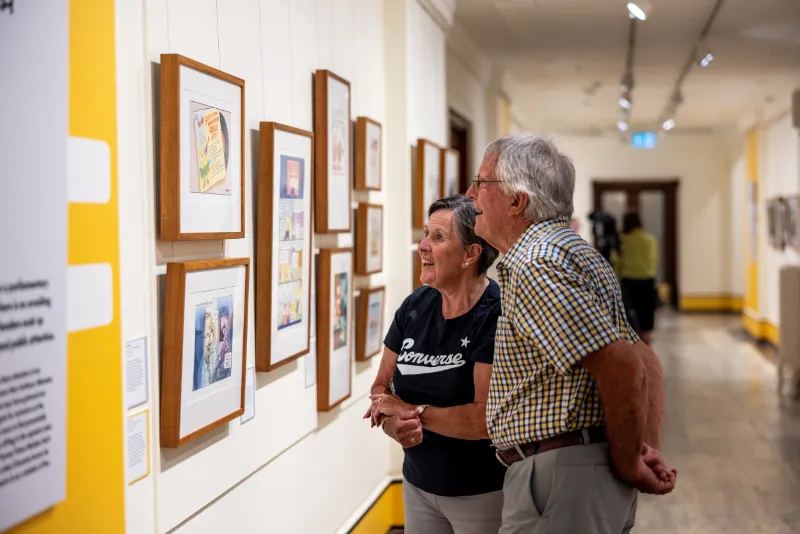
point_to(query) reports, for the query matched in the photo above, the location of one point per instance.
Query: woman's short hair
(464, 224)
(630, 222)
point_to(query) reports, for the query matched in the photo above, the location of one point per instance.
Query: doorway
(657, 204)
(460, 130)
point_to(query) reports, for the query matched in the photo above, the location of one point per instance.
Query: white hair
(534, 166)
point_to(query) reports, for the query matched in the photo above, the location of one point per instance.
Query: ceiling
(569, 56)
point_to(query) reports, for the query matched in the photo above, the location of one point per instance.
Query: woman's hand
(387, 405)
(405, 428)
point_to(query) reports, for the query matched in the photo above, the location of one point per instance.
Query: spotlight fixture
(703, 54)
(626, 83)
(668, 124)
(622, 125)
(625, 102)
(640, 9)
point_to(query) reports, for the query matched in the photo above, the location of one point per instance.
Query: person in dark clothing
(431, 390)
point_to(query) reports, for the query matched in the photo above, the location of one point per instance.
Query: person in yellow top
(636, 265)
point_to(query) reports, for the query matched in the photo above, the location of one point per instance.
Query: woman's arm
(383, 382)
(467, 421)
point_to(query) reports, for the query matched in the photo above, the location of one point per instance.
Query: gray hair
(534, 166)
(464, 224)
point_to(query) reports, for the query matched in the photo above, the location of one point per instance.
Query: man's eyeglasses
(477, 181)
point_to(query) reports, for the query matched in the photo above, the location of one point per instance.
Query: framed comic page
(428, 184)
(369, 151)
(284, 245)
(369, 239)
(450, 169)
(202, 151)
(369, 322)
(334, 327)
(333, 153)
(204, 352)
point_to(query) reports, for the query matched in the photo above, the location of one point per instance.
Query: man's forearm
(655, 394)
(467, 421)
(622, 384)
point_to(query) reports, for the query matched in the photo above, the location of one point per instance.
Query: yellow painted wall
(385, 513)
(95, 468)
(751, 264)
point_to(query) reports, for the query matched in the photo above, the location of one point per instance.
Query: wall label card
(138, 447)
(249, 396)
(33, 271)
(136, 391)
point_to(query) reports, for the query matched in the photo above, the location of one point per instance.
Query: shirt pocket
(511, 354)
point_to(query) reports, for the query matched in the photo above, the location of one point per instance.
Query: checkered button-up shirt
(561, 301)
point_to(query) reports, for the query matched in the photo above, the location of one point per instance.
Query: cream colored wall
(779, 175)
(290, 469)
(700, 162)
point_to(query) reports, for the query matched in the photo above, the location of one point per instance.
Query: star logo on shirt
(464, 342)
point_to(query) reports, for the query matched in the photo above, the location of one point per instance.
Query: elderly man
(574, 392)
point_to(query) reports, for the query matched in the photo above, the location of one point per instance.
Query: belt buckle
(500, 459)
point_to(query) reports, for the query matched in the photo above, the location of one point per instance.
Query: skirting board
(761, 330)
(711, 303)
(380, 511)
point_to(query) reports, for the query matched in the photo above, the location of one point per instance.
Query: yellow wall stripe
(752, 183)
(711, 303)
(95, 468)
(386, 512)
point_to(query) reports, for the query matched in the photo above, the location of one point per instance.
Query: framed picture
(369, 239)
(791, 220)
(204, 354)
(369, 151)
(334, 327)
(428, 180)
(283, 245)
(333, 151)
(450, 167)
(775, 221)
(369, 322)
(202, 151)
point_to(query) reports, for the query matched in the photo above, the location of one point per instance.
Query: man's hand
(405, 428)
(651, 475)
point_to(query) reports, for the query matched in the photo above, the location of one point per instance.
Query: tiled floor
(735, 442)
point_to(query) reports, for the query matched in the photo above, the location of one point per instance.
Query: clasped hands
(400, 420)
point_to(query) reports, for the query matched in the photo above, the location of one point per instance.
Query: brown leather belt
(595, 434)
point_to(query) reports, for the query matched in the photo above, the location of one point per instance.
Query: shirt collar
(517, 249)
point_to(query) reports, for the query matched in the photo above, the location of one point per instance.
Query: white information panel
(33, 231)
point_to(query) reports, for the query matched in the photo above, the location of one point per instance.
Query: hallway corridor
(737, 448)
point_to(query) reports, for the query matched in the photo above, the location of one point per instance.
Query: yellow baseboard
(386, 512)
(761, 330)
(711, 303)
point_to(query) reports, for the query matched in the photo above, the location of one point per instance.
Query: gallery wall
(260, 474)
(701, 163)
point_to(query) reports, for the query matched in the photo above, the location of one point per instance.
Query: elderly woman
(431, 390)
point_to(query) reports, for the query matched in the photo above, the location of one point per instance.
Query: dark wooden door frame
(670, 188)
(462, 124)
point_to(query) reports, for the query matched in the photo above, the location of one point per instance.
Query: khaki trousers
(571, 490)
(426, 513)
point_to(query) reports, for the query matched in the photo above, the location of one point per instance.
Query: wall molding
(714, 303)
(762, 330)
(441, 11)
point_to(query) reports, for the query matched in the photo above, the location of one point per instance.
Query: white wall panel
(276, 61)
(193, 30)
(303, 26)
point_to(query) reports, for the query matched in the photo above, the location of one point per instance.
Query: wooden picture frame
(201, 198)
(451, 161)
(369, 239)
(369, 322)
(428, 180)
(204, 358)
(332, 129)
(369, 155)
(776, 231)
(284, 245)
(334, 327)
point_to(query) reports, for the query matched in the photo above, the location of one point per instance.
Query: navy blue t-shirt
(435, 365)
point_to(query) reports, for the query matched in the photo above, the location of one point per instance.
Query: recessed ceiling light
(623, 126)
(625, 103)
(669, 124)
(640, 9)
